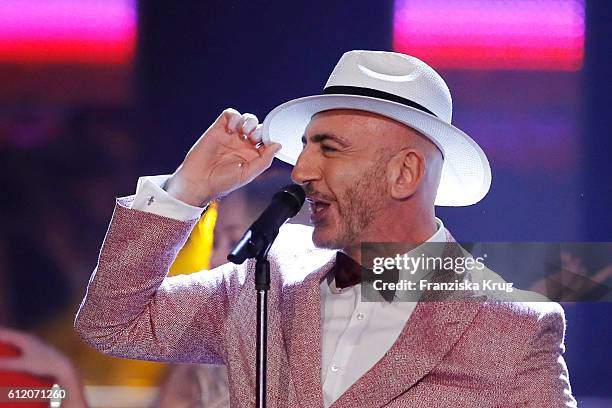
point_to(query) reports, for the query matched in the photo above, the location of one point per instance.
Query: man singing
(375, 153)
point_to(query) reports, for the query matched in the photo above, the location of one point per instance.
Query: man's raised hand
(227, 156)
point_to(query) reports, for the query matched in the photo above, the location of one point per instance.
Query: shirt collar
(440, 234)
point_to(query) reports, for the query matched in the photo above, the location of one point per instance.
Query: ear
(405, 173)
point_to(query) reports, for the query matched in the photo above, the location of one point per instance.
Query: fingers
(249, 123)
(255, 136)
(246, 125)
(241, 123)
(229, 118)
(266, 155)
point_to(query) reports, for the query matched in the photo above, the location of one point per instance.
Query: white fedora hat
(399, 87)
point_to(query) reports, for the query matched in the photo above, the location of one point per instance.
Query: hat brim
(466, 174)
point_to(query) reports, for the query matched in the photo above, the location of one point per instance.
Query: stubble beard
(358, 206)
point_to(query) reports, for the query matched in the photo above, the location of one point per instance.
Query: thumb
(258, 165)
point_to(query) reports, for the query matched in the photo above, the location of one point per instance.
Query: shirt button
(360, 316)
(334, 368)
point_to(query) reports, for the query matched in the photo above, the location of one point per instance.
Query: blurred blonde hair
(196, 253)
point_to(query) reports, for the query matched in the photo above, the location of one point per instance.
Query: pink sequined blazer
(464, 353)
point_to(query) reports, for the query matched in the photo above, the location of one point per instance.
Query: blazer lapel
(301, 323)
(431, 332)
(435, 326)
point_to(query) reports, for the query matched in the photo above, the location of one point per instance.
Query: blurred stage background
(94, 93)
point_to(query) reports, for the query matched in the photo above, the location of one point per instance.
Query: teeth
(316, 207)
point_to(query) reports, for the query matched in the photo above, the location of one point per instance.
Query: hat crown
(397, 74)
(401, 88)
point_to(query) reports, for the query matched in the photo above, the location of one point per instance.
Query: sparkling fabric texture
(468, 352)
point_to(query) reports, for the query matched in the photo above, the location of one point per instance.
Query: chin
(324, 240)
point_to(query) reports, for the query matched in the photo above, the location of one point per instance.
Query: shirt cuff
(151, 197)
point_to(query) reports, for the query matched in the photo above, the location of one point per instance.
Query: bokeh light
(67, 31)
(492, 34)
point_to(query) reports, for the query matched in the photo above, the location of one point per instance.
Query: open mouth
(318, 209)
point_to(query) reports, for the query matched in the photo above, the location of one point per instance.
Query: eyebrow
(321, 137)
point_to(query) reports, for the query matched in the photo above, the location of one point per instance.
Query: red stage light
(492, 34)
(67, 31)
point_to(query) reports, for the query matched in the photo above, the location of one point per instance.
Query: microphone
(258, 239)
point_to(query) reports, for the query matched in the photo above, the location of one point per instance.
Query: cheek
(359, 188)
(341, 181)
(338, 176)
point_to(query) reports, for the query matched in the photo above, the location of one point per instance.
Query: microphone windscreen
(294, 195)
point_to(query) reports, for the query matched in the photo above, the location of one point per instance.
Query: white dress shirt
(355, 334)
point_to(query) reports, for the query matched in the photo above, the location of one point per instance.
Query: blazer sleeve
(132, 310)
(542, 377)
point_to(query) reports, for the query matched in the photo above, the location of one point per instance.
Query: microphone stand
(256, 243)
(262, 286)
(246, 249)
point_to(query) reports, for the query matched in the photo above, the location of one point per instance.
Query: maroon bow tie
(348, 272)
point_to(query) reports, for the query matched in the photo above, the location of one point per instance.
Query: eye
(328, 149)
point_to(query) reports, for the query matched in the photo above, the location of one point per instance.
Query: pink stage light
(492, 34)
(67, 31)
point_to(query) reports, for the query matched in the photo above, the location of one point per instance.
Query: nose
(306, 168)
